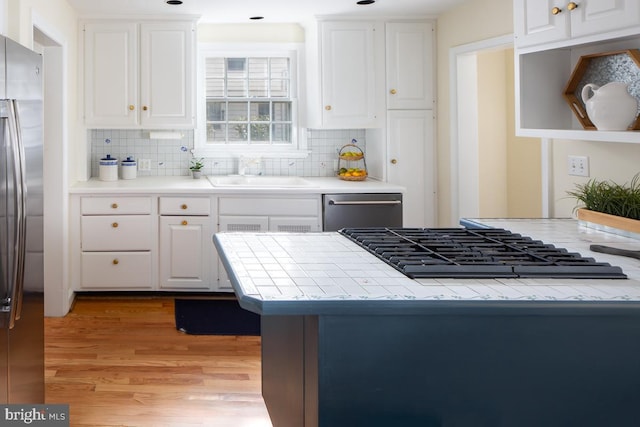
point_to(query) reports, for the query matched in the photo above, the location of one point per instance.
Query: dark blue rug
(215, 317)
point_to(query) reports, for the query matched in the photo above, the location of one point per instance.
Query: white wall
(58, 21)
(4, 13)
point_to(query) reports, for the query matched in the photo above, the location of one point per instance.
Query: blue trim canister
(108, 168)
(129, 168)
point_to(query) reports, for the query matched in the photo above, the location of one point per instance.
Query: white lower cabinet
(186, 248)
(165, 243)
(253, 213)
(185, 252)
(243, 223)
(117, 271)
(116, 240)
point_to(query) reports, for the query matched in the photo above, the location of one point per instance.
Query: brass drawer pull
(556, 11)
(572, 6)
(185, 223)
(115, 261)
(393, 91)
(114, 225)
(114, 206)
(131, 107)
(183, 207)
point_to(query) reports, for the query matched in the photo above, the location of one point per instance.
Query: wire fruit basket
(351, 163)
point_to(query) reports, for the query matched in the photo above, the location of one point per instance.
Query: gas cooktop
(475, 253)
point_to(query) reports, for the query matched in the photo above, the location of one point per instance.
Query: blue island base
(580, 367)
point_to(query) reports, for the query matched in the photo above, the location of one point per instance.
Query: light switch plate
(144, 165)
(578, 165)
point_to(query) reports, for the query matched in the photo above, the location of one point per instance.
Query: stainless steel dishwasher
(361, 210)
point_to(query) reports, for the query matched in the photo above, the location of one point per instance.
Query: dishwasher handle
(365, 202)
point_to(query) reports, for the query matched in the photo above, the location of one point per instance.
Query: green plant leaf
(609, 197)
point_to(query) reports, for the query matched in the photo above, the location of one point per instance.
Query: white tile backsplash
(170, 157)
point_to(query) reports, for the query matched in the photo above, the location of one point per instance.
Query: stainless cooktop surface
(475, 253)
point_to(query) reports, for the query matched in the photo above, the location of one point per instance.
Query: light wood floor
(121, 362)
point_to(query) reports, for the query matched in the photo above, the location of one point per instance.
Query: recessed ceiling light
(256, 18)
(175, 2)
(366, 1)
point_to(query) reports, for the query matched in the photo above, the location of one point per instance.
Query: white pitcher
(610, 107)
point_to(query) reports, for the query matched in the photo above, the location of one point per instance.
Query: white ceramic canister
(129, 168)
(108, 168)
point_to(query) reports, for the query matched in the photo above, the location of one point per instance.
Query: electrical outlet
(579, 165)
(144, 165)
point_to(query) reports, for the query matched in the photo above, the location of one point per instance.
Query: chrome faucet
(246, 162)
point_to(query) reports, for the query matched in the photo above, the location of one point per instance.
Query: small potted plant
(196, 167)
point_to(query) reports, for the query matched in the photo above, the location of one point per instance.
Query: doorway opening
(494, 174)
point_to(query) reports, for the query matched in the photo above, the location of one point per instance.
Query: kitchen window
(247, 102)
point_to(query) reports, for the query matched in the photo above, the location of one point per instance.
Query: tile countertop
(325, 273)
(186, 184)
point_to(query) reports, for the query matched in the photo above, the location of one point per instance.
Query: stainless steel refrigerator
(21, 226)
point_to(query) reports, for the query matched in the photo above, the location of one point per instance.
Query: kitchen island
(350, 341)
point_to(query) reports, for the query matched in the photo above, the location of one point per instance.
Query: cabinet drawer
(185, 206)
(268, 206)
(116, 270)
(115, 205)
(116, 233)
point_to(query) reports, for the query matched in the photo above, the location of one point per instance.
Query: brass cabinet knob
(328, 107)
(556, 10)
(114, 206)
(115, 261)
(183, 207)
(393, 91)
(114, 225)
(145, 108)
(572, 6)
(394, 161)
(185, 222)
(131, 107)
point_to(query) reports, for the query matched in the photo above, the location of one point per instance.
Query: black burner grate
(477, 253)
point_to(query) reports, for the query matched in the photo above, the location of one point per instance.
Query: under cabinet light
(165, 135)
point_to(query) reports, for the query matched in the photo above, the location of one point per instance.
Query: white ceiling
(236, 11)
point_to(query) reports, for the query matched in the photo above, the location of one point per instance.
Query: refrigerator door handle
(18, 157)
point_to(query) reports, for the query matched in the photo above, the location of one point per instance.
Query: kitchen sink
(258, 181)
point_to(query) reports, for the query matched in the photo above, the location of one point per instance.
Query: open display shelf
(544, 79)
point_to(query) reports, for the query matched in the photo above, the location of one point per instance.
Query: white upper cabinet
(409, 62)
(546, 21)
(350, 60)
(111, 74)
(166, 70)
(598, 16)
(139, 74)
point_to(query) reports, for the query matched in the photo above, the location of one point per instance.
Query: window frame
(297, 148)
